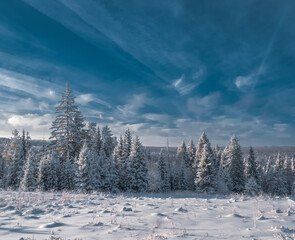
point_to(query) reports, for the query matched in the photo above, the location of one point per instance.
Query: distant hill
(261, 152)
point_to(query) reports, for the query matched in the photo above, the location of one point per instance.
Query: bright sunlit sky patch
(165, 69)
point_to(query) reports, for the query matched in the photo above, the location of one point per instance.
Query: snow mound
(161, 215)
(261, 217)
(238, 215)
(98, 224)
(107, 211)
(53, 225)
(127, 209)
(181, 209)
(37, 211)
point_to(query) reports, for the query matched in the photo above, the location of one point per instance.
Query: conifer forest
(87, 158)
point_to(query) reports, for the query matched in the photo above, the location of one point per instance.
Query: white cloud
(84, 99)
(244, 81)
(33, 121)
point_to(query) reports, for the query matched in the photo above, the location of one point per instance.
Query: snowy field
(38, 215)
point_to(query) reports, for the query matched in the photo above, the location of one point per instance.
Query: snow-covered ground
(39, 215)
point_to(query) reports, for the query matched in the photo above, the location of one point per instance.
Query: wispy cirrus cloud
(184, 85)
(204, 105)
(84, 99)
(135, 103)
(234, 67)
(28, 85)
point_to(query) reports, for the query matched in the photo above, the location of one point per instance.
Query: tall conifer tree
(235, 165)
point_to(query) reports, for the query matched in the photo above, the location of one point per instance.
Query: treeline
(83, 157)
(204, 169)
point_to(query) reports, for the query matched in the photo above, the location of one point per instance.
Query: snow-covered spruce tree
(54, 167)
(125, 162)
(174, 171)
(23, 154)
(271, 180)
(122, 165)
(67, 129)
(43, 171)
(223, 180)
(78, 134)
(154, 177)
(223, 162)
(97, 141)
(28, 143)
(233, 156)
(67, 136)
(95, 174)
(139, 181)
(205, 180)
(118, 150)
(251, 174)
(108, 142)
(163, 173)
(279, 186)
(12, 155)
(251, 186)
(251, 166)
(2, 171)
(217, 157)
(289, 174)
(48, 170)
(91, 133)
(191, 150)
(127, 143)
(88, 172)
(200, 147)
(43, 150)
(109, 178)
(266, 176)
(66, 174)
(113, 175)
(105, 182)
(30, 179)
(179, 173)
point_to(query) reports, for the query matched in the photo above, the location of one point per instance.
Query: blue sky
(165, 69)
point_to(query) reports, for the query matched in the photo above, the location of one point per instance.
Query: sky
(168, 69)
